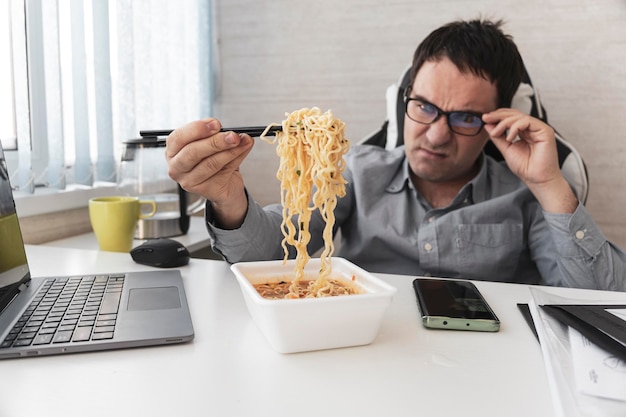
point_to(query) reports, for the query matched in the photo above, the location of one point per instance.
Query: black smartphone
(454, 304)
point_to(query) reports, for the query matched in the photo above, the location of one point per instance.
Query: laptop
(67, 314)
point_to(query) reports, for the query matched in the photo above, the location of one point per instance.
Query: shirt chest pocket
(490, 248)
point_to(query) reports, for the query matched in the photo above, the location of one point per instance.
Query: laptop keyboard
(69, 309)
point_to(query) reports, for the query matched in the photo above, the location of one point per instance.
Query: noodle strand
(311, 147)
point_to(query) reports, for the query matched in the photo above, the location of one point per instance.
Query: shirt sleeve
(586, 258)
(258, 238)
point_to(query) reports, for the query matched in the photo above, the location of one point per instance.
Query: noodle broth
(279, 290)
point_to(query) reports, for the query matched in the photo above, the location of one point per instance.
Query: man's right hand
(206, 162)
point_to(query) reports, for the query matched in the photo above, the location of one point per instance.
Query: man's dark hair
(478, 46)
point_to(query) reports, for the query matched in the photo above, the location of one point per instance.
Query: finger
(223, 160)
(501, 144)
(515, 129)
(532, 130)
(499, 114)
(202, 160)
(201, 139)
(499, 129)
(209, 154)
(234, 164)
(215, 170)
(197, 140)
(181, 137)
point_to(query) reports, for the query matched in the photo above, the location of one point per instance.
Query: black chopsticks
(253, 131)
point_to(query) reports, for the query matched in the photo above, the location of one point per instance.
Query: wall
(281, 55)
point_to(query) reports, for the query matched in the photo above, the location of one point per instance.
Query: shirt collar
(480, 182)
(401, 178)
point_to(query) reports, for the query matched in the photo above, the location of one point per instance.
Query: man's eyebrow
(422, 98)
(419, 97)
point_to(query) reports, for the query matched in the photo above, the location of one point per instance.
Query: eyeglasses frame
(441, 112)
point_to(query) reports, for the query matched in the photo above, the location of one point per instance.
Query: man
(436, 206)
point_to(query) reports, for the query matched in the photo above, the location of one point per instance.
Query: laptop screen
(13, 265)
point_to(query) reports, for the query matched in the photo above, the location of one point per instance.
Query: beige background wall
(280, 55)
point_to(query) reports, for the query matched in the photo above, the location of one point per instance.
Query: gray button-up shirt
(493, 230)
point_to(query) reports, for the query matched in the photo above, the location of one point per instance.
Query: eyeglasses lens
(422, 112)
(465, 123)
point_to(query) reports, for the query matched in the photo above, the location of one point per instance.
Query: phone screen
(453, 304)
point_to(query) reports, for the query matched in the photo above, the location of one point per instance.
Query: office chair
(526, 99)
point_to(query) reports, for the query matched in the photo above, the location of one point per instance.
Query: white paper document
(585, 381)
(597, 372)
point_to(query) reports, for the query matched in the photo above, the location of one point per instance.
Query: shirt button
(580, 234)
(431, 219)
(428, 247)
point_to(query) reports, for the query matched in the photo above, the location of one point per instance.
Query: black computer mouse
(161, 252)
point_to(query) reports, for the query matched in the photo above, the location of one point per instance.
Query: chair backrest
(526, 99)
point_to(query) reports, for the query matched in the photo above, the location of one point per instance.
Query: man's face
(435, 153)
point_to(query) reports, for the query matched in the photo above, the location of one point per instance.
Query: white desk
(230, 370)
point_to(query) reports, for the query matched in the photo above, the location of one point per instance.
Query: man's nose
(439, 133)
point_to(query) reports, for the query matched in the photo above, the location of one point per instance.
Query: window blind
(90, 74)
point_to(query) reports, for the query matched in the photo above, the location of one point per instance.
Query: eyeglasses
(464, 123)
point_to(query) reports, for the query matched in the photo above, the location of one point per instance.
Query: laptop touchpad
(153, 298)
